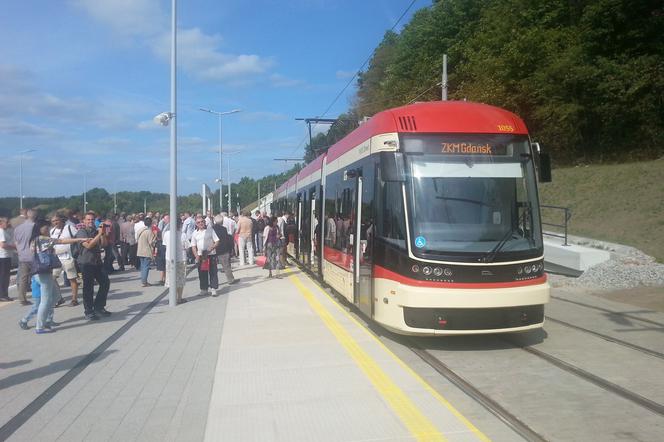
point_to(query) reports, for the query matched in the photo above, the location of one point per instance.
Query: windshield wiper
(491, 255)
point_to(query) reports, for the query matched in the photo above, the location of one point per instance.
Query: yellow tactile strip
(417, 423)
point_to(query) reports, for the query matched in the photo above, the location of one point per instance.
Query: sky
(81, 80)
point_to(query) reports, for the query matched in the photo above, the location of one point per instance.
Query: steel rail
(609, 338)
(489, 404)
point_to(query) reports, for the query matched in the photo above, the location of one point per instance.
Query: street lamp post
(20, 176)
(164, 119)
(228, 163)
(219, 180)
(174, 244)
(228, 174)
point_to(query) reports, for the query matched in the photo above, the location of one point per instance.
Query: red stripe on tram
(382, 272)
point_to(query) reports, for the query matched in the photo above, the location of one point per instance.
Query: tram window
(339, 213)
(390, 224)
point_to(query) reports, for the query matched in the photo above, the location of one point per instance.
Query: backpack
(76, 248)
(226, 243)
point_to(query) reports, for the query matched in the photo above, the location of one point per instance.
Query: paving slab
(265, 360)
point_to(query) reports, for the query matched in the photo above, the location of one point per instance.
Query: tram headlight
(415, 268)
(437, 271)
(447, 272)
(426, 270)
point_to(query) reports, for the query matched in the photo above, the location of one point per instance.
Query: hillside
(621, 203)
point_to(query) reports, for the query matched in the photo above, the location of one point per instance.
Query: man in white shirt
(204, 244)
(229, 223)
(60, 230)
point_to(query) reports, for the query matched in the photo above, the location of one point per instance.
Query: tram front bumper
(444, 311)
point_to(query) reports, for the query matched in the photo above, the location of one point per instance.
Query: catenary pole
(444, 81)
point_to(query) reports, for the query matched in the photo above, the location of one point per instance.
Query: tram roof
(311, 168)
(284, 187)
(432, 117)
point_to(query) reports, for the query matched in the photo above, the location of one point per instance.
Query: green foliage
(611, 202)
(587, 77)
(101, 201)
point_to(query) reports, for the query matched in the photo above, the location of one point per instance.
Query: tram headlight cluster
(530, 269)
(428, 270)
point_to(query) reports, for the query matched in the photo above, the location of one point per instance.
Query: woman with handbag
(204, 244)
(45, 260)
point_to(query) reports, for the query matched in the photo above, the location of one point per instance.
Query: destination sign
(466, 148)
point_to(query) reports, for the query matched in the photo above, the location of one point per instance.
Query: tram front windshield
(472, 196)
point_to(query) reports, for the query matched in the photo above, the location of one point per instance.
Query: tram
(426, 217)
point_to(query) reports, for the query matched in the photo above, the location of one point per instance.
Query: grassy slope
(621, 203)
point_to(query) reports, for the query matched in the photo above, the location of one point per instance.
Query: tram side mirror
(543, 164)
(392, 166)
(544, 167)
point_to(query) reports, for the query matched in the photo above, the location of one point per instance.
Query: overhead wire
(356, 73)
(365, 62)
(440, 83)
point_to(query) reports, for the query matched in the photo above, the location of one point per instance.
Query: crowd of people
(90, 247)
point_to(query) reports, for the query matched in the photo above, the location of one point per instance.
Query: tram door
(298, 221)
(362, 292)
(313, 224)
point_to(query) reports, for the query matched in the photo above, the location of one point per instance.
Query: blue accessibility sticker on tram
(420, 242)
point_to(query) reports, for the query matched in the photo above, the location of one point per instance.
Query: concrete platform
(267, 360)
(571, 259)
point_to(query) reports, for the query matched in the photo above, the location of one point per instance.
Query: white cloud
(21, 98)
(199, 53)
(10, 126)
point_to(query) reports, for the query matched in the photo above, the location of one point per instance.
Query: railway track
(487, 402)
(611, 312)
(517, 425)
(600, 382)
(609, 338)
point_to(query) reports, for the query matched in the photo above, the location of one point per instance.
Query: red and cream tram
(426, 217)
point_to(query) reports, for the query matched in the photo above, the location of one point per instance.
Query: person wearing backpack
(224, 248)
(60, 230)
